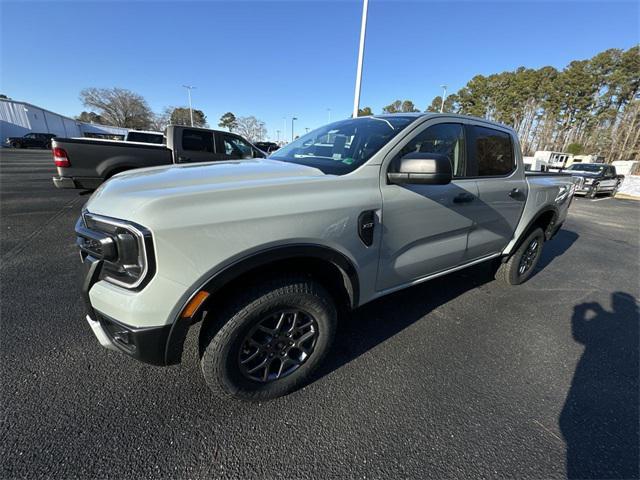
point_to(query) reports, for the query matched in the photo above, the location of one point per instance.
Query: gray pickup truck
(85, 163)
(266, 252)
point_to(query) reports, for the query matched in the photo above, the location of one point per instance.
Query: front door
(425, 227)
(235, 147)
(609, 180)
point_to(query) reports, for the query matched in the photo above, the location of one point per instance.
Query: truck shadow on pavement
(559, 244)
(384, 318)
(600, 419)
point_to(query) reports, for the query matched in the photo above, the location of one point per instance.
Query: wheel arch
(545, 219)
(334, 269)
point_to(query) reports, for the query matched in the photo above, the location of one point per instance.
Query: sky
(274, 60)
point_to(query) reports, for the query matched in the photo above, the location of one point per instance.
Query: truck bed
(92, 161)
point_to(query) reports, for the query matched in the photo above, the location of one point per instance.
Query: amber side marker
(194, 304)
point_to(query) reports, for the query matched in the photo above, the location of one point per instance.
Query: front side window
(30, 135)
(197, 141)
(236, 147)
(341, 147)
(444, 139)
(492, 152)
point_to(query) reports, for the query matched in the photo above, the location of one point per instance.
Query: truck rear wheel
(269, 339)
(522, 263)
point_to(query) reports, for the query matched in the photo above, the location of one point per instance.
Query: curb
(624, 196)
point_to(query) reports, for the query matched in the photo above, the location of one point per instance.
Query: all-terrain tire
(224, 339)
(511, 272)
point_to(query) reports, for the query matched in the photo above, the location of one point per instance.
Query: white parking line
(600, 199)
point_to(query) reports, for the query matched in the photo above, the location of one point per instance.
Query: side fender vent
(366, 226)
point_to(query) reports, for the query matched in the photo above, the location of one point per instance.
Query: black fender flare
(215, 279)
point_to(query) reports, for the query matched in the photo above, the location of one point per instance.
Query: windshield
(586, 167)
(341, 147)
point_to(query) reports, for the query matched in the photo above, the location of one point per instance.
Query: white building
(19, 118)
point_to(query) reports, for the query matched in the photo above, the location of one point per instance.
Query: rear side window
(491, 151)
(145, 137)
(197, 141)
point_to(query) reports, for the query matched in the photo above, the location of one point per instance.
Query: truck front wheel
(522, 263)
(269, 339)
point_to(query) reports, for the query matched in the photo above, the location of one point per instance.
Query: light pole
(444, 95)
(284, 128)
(329, 112)
(278, 135)
(306, 129)
(363, 30)
(189, 88)
(293, 119)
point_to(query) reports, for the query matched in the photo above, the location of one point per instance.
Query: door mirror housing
(422, 168)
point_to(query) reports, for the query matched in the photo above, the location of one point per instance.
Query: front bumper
(147, 344)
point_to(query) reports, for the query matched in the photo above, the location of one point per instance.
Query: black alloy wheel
(521, 264)
(278, 345)
(529, 257)
(267, 338)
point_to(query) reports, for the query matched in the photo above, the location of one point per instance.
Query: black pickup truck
(595, 178)
(86, 163)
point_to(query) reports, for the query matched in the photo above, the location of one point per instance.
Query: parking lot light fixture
(189, 88)
(363, 30)
(444, 96)
(293, 119)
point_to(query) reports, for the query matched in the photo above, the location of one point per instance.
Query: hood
(126, 193)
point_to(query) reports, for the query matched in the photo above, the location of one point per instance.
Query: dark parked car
(31, 140)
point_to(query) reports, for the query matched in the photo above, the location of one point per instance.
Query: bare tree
(251, 128)
(160, 121)
(118, 107)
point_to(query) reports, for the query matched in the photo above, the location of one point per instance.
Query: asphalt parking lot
(460, 377)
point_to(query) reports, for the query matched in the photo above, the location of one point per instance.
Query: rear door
(502, 188)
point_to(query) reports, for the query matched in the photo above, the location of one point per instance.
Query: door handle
(463, 198)
(515, 193)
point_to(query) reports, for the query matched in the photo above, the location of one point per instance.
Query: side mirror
(422, 168)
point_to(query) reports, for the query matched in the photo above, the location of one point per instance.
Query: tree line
(591, 106)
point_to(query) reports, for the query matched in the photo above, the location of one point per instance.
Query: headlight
(588, 181)
(126, 249)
